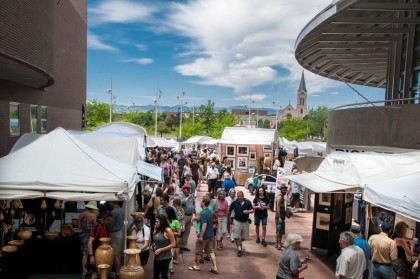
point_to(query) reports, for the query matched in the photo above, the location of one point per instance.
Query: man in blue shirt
(228, 183)
(364, 245)
(205, 238)
(242, 208)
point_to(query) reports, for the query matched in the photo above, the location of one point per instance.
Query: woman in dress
(87, 221)
(164, 241)
(290, 265)
(400, 265)
(222, 214)
(143, 232)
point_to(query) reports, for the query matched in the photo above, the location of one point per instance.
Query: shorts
(206, 245)
(240, 230)
(280, 228)
(116, 241)
(260, 219)
(400, 267)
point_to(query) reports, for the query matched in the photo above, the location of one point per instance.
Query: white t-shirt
(143, 234)
(212, 173)
(351, 264)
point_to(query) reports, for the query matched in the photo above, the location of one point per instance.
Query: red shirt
(101, 232)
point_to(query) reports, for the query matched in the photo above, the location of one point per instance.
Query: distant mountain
(160, 109)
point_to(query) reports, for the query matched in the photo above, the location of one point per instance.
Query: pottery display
(67, 230)
(131, 270)
(29, 219)
(15, 204)
(102, 271)
(132, 239)
(51, 235)
(104, 254)
(57, 204)
(1, 215)
(16, 242)
(24, 234)
(44, 205)
(9, 248)
(12, 212)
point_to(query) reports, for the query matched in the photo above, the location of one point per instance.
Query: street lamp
(181, 99)
(110, 103)
(277, 107)
(156, 101)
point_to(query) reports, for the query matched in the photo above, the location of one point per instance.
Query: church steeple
(302, 86)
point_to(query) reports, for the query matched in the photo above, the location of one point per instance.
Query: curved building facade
(43, 73)
(373, 43)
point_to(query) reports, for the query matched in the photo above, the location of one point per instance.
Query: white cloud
(120, 11)
(141, 61)
(94, 42)
(252, 97)
(334, 93)
(141, 47)
(243, 42)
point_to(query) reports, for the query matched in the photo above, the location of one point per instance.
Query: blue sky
(229, 51)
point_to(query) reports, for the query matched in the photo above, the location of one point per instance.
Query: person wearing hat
(87, 221)
(280, 216)
(351, 263)
(289, 263)
(384, 252)
(364, 245)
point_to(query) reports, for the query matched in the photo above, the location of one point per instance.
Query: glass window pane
(34, 118)
(14, 119)
(44, 117)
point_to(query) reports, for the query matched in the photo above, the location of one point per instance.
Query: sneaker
(258, 240)
(263, 243)
(239, 253)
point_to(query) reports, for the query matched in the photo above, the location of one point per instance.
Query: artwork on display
(251, 170)
(242, 163)
(232, 163)
(338, 208)
(348, 198)
(323, 221)
(325, 199)
(230, 151)
(267, 155)
(252, 156)
(349, 215)
(242, 150)
(267, 148)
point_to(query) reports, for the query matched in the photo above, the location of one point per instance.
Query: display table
(61, 255)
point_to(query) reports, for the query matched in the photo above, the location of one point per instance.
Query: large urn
(104, 254)
(132, 244)
(131, 270)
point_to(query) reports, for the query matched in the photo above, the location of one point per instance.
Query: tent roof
(355, 170)
(121, 128)
(160, 142)
(58, 162)
(400, 195)
(244, 135)
(197, 139)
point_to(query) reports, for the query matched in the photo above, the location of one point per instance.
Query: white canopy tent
(244, 135)
(161, 142)
(59, 166)
(400, 195)
(150, 170)
(306, 148)
(349, 172)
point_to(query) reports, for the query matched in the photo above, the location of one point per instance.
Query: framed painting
(338, 208)
(322, 221)
(242, 150)
(324, 199)
(230, 151)
(242, 163)
(348, 198)
(252, 156)
(349, 215)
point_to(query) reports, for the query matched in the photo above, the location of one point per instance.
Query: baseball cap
(185, 187)
(385, 226)
(355, 229)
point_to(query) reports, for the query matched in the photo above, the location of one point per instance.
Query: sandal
(194, 268)
(207, 258)
(215, 271)
(175, 261)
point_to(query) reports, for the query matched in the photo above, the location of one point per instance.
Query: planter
(131, 270)
(104, 254)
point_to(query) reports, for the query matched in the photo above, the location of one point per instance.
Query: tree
(207, 116)
(97, 114)
(162, 128)
(319, 116)
(296, 128)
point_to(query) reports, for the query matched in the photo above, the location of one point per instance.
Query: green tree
(97, 113)
(319, 117)
(162, 128)
(207, 116)
(296, 128)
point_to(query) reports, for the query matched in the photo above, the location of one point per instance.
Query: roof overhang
(354, 40)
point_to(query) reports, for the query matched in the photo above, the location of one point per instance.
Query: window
(301, 111)
(44, 117)
(14, 119)
(34, 118)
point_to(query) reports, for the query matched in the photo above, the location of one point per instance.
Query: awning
(318, 184)
(149, 170)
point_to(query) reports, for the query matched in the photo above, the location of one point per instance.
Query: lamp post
(156, 101)
(277, 107)
(181, 99)
(110, 103)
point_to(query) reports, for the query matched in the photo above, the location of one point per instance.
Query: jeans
(161, 267)
(382, 271)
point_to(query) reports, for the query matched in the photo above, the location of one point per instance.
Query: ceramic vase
(132, 239)
(105, 254)
(131, 270)
(102, 268)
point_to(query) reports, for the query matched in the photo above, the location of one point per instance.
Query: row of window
(14, 113)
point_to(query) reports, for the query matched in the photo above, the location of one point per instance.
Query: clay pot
(53, 214)
(44, 205)
(24, 234)
(51, 235)
(104, 254)
(1, 216)
(5, 228)
(102, 270)
(131, 270)
(57, 204)
(132, 239)
(12, 212)
(15, 204)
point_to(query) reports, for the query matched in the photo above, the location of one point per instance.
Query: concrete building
(372, 43)
(43, 67)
